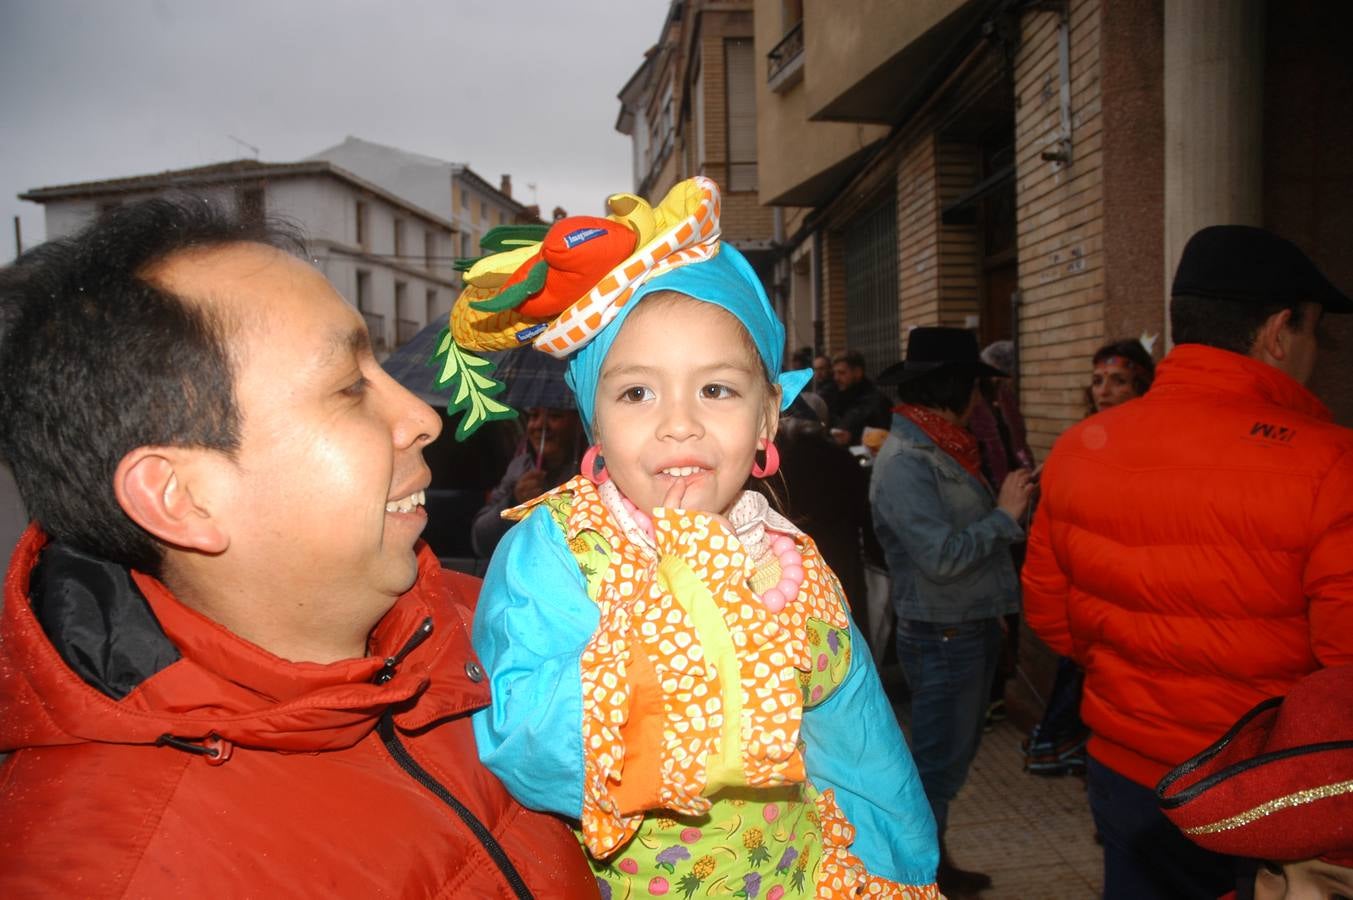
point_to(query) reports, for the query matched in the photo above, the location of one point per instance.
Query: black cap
(931, 348)
(1251, 265)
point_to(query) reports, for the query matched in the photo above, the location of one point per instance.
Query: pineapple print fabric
(693, 706)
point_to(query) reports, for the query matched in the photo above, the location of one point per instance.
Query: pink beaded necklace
(782, 545)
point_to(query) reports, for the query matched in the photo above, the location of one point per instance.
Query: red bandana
(958, 442)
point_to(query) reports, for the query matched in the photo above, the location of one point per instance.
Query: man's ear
(1271, 340)
(154, 487)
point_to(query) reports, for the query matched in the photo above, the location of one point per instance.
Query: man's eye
(357, 388)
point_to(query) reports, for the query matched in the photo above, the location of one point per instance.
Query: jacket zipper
(387, 671)
(386, 729)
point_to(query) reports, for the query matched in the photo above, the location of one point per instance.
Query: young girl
(673, 665)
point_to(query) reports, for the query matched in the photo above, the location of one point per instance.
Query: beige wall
(843, 49)
(790, 149)
(1060, 222)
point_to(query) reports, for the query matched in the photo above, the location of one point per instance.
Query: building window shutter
(740, 87)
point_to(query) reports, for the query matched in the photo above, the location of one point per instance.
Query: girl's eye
(357, 388)
(636, 394)
(716, 391)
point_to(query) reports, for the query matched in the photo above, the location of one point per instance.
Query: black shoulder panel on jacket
(98, 620)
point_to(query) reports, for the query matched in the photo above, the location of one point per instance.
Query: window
(363, 291)
(484, 211)
(375, 322)
(429, 250)
(466, 247)
(431, 305)
(464, 198)
(740, 91)
(406, 326)
(399, 240)
(361, 225)
(249, 205)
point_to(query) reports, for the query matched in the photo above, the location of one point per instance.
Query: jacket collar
(1194, 366)
(914, 437)
(220, 684)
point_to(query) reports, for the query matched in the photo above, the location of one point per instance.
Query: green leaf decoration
(510, 237)
(518, 294)
(472, 390)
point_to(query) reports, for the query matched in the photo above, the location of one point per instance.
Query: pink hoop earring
(589, 462)
(772, 460)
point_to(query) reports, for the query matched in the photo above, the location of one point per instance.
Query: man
(229, 664)
(1193, 549)
(856, 403)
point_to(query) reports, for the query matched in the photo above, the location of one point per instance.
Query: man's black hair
(852, 358)
(949, 387)
(95, 361)
(1224, 323)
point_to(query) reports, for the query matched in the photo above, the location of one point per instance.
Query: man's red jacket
(1193, 549)
(154, 753)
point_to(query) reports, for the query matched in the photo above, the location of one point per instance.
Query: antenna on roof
(532, 186)
(244, 144)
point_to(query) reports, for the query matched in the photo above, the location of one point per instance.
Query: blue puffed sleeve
(530, 627)
(854, 746)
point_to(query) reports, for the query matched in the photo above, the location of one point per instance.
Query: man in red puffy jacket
(1193, 549)
(227, 663)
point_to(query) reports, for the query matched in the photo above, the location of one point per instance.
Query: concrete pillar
(1214, 93)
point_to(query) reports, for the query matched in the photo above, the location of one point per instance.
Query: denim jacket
(946, 544)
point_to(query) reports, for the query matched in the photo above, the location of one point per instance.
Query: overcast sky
(94, 89)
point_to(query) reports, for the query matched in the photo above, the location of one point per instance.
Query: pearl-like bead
(773, 599)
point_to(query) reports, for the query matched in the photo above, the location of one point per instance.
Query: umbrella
(532, 378)
(411, 365)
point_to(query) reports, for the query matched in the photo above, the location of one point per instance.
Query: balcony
(375, 326)
(784, 64)
(405, 329)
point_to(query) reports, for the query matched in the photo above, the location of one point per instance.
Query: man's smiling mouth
(407, 504)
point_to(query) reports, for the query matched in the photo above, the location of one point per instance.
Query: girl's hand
(676, 496)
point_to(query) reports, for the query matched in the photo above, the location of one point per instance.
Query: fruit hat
(562, 291)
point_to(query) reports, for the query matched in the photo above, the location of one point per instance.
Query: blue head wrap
(726, 280)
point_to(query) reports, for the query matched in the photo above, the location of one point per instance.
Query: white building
(391, 258)
(450, 190)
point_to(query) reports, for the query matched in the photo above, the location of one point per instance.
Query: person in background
(999, 428)
(946, 536)
(857, 401)
(547, 457)
(1193, 549)
(802, 358)
(1120, 371)
(1277, 789)
(826, 493)
(823, 384)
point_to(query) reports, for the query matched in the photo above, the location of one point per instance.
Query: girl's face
(1312, 879)
(681, 403)
(1111, 384)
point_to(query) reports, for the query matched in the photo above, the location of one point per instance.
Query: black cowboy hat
(932, 348)
(1251, 265)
